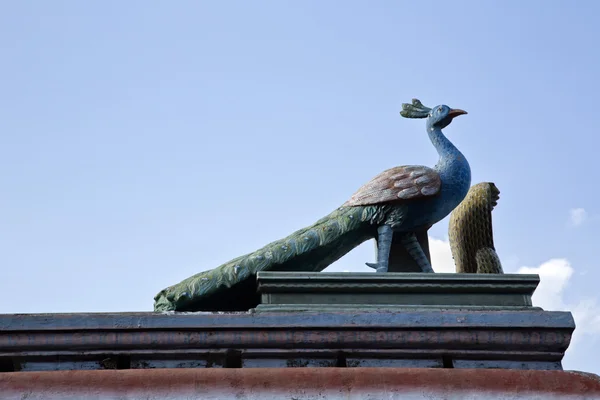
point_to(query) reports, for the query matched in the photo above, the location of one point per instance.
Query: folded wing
(398, 184)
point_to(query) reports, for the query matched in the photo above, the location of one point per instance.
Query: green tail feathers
(310, 249)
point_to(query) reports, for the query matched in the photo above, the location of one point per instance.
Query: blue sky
(143, 142)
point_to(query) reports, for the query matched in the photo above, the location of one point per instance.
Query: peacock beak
(455, 112)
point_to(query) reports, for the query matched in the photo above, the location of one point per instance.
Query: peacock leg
(413, 247)
(384, 244)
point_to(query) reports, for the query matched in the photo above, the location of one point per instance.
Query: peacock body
(398, 201)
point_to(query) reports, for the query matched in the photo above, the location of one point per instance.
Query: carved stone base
(297, 291)
(528, 339)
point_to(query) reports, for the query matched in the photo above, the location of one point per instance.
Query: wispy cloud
(577, 216)
(441, 255)
(554, 278)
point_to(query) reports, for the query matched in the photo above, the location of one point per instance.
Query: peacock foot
(378, 267)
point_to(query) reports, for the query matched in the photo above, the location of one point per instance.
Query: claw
(378, 267)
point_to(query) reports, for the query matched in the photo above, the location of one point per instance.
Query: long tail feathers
(327, 234)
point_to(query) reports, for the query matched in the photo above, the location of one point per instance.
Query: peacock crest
(416, 109)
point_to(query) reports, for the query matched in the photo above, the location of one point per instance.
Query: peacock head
(438, 117)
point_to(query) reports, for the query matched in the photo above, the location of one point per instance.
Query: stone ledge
(427, 338)
(300, 291)
(136, 321)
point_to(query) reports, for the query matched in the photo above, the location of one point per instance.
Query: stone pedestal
(526, 339)
(295, 292)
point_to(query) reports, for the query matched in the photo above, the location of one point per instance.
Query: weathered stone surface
(527, 339)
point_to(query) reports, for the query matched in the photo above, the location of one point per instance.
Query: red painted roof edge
(179, 382)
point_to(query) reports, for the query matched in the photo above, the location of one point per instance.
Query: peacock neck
(444, 147)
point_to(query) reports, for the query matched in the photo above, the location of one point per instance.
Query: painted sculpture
(470, 231)
(399, 201)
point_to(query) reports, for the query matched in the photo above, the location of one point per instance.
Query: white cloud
(577, 216)
(587, 317)
(441, 256)
(554, 278)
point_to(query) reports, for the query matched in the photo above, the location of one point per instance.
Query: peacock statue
(399, 201)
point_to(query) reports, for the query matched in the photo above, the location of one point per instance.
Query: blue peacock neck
(446, 150)
(452, 166)
(444, 147)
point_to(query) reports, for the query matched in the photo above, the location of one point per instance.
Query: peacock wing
(396, 184)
